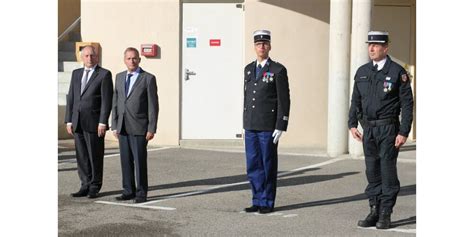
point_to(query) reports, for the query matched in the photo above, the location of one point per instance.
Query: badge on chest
(268, 77)
(387, 85)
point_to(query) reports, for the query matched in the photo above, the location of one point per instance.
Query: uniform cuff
(403, 134)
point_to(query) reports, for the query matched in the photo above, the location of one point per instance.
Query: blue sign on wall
(191, 42)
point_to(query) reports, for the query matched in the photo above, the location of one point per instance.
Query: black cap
(261, 35)
(378, 37)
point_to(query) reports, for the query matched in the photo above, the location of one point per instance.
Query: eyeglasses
(262, 44)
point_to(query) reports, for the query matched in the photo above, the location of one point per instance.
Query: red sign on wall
(215, 42)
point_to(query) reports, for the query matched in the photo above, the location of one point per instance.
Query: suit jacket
(139, 111)
(92, 106)
(266, 98)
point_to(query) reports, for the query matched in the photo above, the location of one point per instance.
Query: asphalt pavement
(202, 192)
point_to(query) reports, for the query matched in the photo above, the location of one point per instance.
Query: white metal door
(212, 71)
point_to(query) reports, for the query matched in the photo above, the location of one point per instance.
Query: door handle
(188, 73)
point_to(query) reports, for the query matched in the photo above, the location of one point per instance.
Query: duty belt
(380, 122)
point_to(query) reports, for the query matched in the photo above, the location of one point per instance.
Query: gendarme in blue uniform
(266, 112)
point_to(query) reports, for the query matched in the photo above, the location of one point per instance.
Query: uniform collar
(386, 64)
(263, 63)
(380, 63)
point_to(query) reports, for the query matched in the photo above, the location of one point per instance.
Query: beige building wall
(68, 12)
(117, 25)
(300, 40)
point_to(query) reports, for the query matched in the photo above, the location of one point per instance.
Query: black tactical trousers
(381, 165)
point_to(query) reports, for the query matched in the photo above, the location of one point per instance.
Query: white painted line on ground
(407, 161)
(72, 160)
(312, 166)
(409, 231)
(412, 161)
(323, 155)
(154, 149)
(68, 161)
(165, 198)
(141, 205)
(215, 149)
(275, 214)
(271, 214)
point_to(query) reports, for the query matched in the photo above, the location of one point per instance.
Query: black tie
(375, 67)
(127, 83)
(259, 70)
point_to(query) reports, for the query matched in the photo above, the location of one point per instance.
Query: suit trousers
(90, 159)
(133, 158)
(381, 165)
(262, 166)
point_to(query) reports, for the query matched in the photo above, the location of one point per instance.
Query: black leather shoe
(93, 195)
(253, 208)
(139, 200)
(371, 219)
(125, 197)
(81, 193)
(265, 210)
(384, 220)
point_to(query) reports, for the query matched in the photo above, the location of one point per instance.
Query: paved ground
(201, 192)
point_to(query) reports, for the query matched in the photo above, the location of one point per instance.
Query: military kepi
(261, 35)
(378, 37)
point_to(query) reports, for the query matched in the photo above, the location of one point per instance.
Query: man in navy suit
(89, 102)
(266, 114)
(134, 121)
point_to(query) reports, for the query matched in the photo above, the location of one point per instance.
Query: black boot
(384, 220)
(371, 219)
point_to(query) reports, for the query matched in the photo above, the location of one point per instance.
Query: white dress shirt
(380, 63)
(261, 63)
(133, 79)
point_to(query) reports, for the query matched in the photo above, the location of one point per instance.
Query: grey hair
(131, 49)
(88, 46)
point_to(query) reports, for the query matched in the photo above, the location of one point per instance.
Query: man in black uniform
(381, 91)
(266, 113)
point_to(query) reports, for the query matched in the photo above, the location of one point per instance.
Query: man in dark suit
(266, 113)
(89, 102)
(134, 120)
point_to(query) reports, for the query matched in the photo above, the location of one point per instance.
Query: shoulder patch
(405, 77)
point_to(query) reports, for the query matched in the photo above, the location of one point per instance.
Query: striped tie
(85, 76)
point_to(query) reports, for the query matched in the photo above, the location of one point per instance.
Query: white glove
(276, 135)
